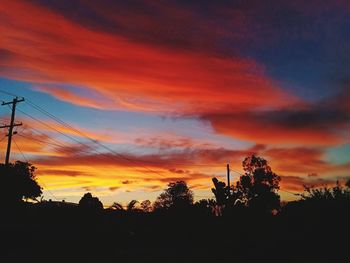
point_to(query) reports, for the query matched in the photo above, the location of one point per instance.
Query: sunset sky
(174, 90)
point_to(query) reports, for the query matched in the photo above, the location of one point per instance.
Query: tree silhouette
(117, 206)
(146, 206)
(206, 206)
(336, 193)
(90, 202)
(176, 196)
(132, 206)
(18, 182)
(258, 188)
(226, 197)
(220, 191)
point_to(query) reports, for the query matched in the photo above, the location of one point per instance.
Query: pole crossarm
(11, 102)
(14, 125)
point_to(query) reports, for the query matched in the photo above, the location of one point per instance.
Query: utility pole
(228, 177)
(10, 126)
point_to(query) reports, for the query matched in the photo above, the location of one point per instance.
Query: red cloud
(298, 160)
(67, 95)
(231, 92)
(313, 125)
(125, 70)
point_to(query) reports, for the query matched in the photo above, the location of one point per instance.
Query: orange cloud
(298, 160)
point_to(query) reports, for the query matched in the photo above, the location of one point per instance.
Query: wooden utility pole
(228, 177)
(10, 126)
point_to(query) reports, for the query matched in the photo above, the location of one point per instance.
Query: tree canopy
(146, 206)
(258, 187)
(18, 181)
(177, 195)
(90, 202)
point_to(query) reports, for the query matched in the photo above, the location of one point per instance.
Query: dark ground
(52, 234)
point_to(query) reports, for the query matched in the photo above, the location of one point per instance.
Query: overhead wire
(26, 160)
(9, 93)
(68, 126)
(126, 158)
(54, 140)
(114, 153)
(13, 139)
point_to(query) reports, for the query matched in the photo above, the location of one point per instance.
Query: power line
(38, 140)
(118, 154)
(43, 142)
(9, 93)
(42, 182)
(20, 150)
(65, 124)
(49, 126)
(68, 126)
(66, 135)
(121, 156)
(56, 141)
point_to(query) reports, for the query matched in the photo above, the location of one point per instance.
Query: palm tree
(117, 206)
(130, 206)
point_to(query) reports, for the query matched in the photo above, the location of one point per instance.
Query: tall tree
(18, 181)
(90, 202)
(258, 187)
(177, 195)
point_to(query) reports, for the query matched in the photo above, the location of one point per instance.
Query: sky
(162, 91)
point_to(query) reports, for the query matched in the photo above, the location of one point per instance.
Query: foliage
(176, 196)
(336, 193)
(220, 191)
(117, 206)
(90, 202)
(146, 206)
(19, 182)
(132, 205)
(347, 184)
(258, 187)
(206, 206)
